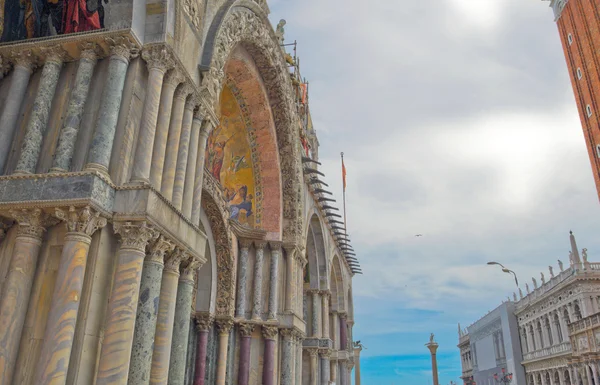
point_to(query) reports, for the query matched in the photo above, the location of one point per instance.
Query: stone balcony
(585, 323)
(551, 351)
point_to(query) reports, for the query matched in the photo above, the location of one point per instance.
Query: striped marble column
(240, 310)
(175, 126)
(170, 83)
(273, 292)
(203, 324)
(258, 280)
(270, 335)
(224, 326)
(190, 173)
(181, 327)
(147, 312)
(68, 134)
(37, 124)
(182, 157)
(54, 359)
(159, 61)
(16, 288)
(246, 330)
(207, 127)
(110, 105)
(24, 63)
(163, 338)
(113, 367)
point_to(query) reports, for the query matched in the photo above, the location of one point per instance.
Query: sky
(458, 122)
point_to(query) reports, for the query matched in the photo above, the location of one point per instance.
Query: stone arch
(315, 252)
(243, 23)
(206, 293)
(336, 283)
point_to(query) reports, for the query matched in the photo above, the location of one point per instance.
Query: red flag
(344, 173)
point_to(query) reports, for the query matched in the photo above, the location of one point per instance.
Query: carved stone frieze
(81, 220)
(552, 363)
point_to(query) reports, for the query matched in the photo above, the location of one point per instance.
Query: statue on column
(560, 265)
(431, 338)
(551, 272)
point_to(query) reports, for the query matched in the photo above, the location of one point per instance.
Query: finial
(520, 293)
(551, 271)
(515, 296)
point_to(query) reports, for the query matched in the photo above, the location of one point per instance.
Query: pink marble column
(270, 335)
(246, 330)
(203, 323)
(343, 331)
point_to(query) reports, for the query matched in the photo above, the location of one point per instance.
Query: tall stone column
(40, 112)
(357, 351)
(342, 372)
(334, 370)
(207, 128)
(110, 104)
(161, 356)
(224, 326)
(147, 311)
(113, 367)
(325, 367)
(258, 280)
(203, 324)
(53, 364)
(344, 331)
(246, 330)
(594, 366)
(314, 366)
(240, 310)
(190, 172)
(316, 309)
(287, 361)
(175, 126)
(290, 278)
(159, 61)
(16, 288)
(24, 63)
(335, 333)
(325, 313)
(70, 129)
(184, 147)
(432, 346)
(270, 335)
(273, 300)
(299, 351)
(181, 329)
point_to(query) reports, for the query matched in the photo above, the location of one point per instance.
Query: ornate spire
(574, 250)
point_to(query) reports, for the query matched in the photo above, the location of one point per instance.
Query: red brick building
(578, 23)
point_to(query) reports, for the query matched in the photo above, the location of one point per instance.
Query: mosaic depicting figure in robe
(26, 19)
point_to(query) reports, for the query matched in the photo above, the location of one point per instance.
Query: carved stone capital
(325, 353)
(260, 245)
(159, 248)
(343, 315)
(122, 47)
(5, 225)
(269, 332)
(245, 243)
(81, 220)
(174, 260)
(183, 91)
(287, 333)
(246, 329)
(189, 270)
(275, 246)
(135, 235)
(25, 59)
(313, 352)
(158, 57)
(174, 77)
(191, 102)
(32, 222)
(325, 294)
(55, 54)
(224, 326)
(204, 321)
(90, 51)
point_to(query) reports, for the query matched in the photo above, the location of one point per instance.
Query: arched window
(558, 328)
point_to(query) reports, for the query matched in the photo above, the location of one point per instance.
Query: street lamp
(505, 379)
(505, 270)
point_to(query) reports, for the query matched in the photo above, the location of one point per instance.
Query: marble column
(287, 362)
(159, 61)
(163, 337)
(205, 131)
(224, 326)
(113, 367)
(170, 83)
(147, 311)
(258, 280)
(325, 313)
(299, 351)
(334, 370)
(342, 372)
(182, 157)
(53, 363)
(274, 279)
(314, 366)
(316, 309)
(240, 310)
(246, 330)
(68, 134)
(290, 278)
(203, 324)
(24, 64)
(325, 367)
(16, 287)
(40, 112)
(110, 105)
(301, 263)
(270, 335)
(175, 127)
(357, 351)
(343, 331)
(190, 172)
(181, 329)
(335, 333)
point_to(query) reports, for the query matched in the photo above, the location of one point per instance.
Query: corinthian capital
(90, 51)
(269, 332)
(191, 102)
(122, 47)
(173, 260)
(159, 248)
(313, 352)
(224, 326)
(157, 57)
(32, 222)
(25, 59)
(183, 91)
(135, 235)
(246, 329)
(204, 321)
(55, 54)
(81, 220)
(174, 77)
(189, 270)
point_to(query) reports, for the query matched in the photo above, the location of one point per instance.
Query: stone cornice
(243, 232)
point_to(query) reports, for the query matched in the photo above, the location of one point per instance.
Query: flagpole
(344, 194)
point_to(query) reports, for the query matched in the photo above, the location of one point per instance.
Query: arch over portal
(244, 24)
(317, 270)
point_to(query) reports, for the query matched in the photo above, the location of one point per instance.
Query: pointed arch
(336, 283)
(316, 254)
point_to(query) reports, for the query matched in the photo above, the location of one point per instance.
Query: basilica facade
(163, 217)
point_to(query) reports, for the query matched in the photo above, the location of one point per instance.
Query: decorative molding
(158, 57)
(242, 231)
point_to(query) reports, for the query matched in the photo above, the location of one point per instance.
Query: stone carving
(431, 338)
(269, 332)
(157, 57)
(583, 343)
(90, 50)
(542, 278)
(159, 248)
(571, 261)
(123, 47)
(84, 220)
(204, 322)
(174, 260)
(135, 235)
(246, 329)
(224, 326)
(191, 267)
(313, 352)
(515, 296)
(32, 222)
(584, 255)
(560, 265)
(535, 285)
(25, 59)
(551, 272)
(280, 31)
(287, 333)
(174, 77)
(5, 225)
(190, 7)
(521, 292)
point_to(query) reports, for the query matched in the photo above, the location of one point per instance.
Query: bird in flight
(419, 235)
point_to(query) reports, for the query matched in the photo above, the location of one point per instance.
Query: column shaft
(244, 362)
(273, 300)
(108, 115)
(270, 335)
(314, 368)
(170, 84)
(325, 314)
(170, 164)
(199, 178)
(12, 106)
(190, 173)
(258, 280)
(343, 332)
(342, 373)
(203, 324)
(290, 278)
(68, 134)
(357, 366)
(316, 309)
(286, 358)
(241, 289)
(182, 157)
(325, 374)
(334, 371)
(17, 288)
(224, 329)
(113, 367)
(39, 115)
(299, 352)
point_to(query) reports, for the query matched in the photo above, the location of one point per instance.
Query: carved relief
(33, 222)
